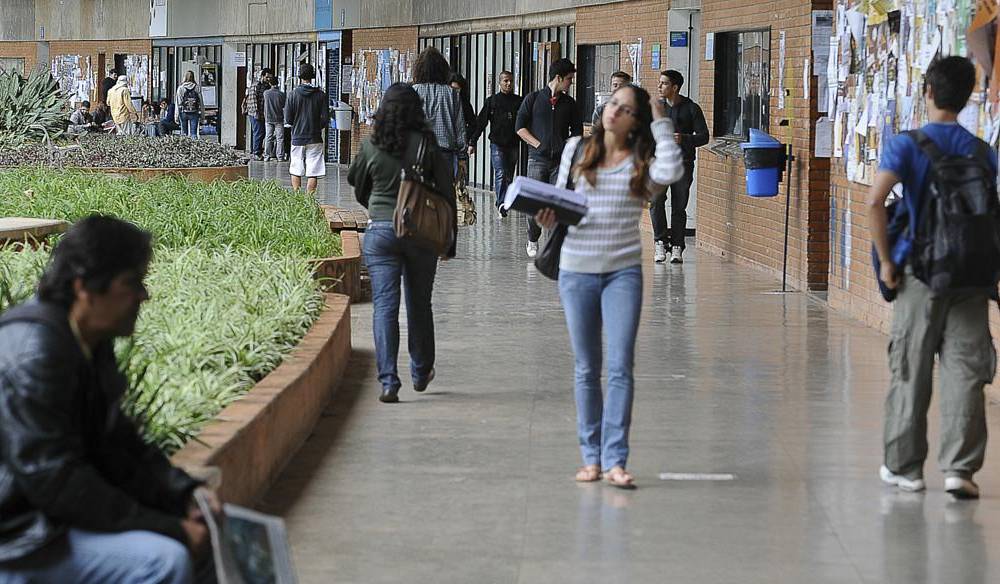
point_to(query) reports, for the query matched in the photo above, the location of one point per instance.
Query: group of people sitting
(118, 115)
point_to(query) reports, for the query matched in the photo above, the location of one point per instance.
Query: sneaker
(677, 255)
(903, 483)
(421, 387)
(660, 254)
(961, 488)
(532, 249)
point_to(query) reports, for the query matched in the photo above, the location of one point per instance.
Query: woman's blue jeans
(189, 124)
(388, 258)
(607, 303)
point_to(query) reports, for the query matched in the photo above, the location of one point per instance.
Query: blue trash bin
(764, 159)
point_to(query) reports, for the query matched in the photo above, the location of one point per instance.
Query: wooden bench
(28, 229)
(341, 219)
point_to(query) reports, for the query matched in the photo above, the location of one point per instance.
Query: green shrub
(216, 323)
(30, 108)
(249, 216)
(104, 150)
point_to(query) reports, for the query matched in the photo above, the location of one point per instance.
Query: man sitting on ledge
(82, 497)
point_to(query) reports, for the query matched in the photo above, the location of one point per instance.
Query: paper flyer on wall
(248, 547)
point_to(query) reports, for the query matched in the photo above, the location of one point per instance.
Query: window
(12, 64)
(596, 64)
(742, 81)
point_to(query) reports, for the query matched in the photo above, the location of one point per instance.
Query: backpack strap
(926, 145)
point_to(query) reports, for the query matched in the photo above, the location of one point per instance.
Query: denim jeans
(189, 124)
(545, 171)
(611, 302)
(274, 140)
(680, 194)
(503, 158)
(388, 258)
(88, 557)
(256, 135)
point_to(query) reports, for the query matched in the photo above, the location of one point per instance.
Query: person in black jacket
(546, 119)
(500, 113)
(692, 132)
(83, 497)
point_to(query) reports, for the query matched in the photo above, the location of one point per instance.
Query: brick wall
(93, 49)
(646, 19)
(400, 38)
(751, 230)
(26, 50)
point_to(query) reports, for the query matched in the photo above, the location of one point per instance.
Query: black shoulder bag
(547, 260)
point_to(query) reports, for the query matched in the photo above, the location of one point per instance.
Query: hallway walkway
(472, 482)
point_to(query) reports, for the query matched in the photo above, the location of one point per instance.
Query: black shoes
(389, 396)
(420, 387)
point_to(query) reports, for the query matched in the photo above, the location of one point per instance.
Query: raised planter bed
(31, 229)
(343, 272)
(202, 174)
(253, 438)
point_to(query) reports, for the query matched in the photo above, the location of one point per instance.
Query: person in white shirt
(631, 157)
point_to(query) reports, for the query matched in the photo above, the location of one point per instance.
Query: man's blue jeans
(88, 557)
(611, 302)
(256, 135)
(503, 158)
(388, 258)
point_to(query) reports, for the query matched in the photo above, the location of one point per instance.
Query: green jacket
(375, 175)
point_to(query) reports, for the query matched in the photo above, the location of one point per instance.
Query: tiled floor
(472, 481)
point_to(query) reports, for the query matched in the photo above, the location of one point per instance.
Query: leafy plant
(30, 108)
(250, 216)
(216, 323)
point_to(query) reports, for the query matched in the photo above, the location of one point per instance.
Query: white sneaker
(903, 483)
(961, 488)
(677, 255)
(532, 249)
(660, 255)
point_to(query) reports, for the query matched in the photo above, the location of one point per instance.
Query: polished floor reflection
(472, 482)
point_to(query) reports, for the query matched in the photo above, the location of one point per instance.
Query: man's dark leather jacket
(689, 122)
(68, 455)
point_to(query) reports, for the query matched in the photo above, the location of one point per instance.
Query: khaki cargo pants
(956, 328)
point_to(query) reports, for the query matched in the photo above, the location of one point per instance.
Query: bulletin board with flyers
(879, 52)
(373, 72)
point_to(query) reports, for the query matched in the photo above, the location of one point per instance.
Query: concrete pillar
(229, 104)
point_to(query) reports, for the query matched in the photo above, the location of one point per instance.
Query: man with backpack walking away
(190, 106)
(942, 270)
(500, 113)
(546, 119)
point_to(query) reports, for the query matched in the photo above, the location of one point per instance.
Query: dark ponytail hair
(400, 113)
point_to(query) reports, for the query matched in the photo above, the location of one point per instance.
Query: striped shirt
(607, 238)
(443, 109)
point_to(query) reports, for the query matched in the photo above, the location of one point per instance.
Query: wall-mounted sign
(678, 38)
(710, 46)
(239, 59)
(655, 61)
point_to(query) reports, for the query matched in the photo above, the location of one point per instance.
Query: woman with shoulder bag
(399, 130)
(600, 267)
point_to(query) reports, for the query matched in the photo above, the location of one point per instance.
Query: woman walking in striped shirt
(630, 157)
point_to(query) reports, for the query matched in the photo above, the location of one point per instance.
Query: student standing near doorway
(944, 170)
(691, 132)
(546, 119)
(500, 113)
(307, 111)
(253, 107)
